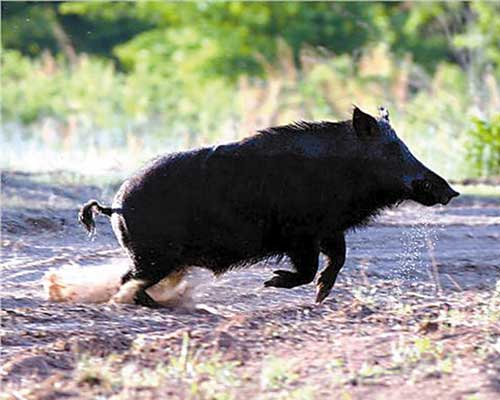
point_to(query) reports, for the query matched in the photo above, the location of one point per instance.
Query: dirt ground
(414, 313)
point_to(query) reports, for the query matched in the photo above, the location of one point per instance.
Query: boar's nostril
(446, 199)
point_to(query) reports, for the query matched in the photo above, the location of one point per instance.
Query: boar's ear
(364, 124)
(384, 113)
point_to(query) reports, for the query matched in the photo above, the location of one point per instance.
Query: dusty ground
(414, 314)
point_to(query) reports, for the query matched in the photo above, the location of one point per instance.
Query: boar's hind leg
(149, 269)
(305, 261)
(133, 289)
(334, 249)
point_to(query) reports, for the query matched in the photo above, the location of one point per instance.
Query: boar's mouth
(446, 199)
(429, 194)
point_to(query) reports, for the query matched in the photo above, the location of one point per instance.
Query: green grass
(277, 373)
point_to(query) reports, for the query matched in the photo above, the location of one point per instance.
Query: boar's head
(391, 166)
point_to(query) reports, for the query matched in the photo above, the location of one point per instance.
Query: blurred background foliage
(100, 85)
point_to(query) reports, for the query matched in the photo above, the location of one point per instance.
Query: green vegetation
(423, 357)
(192, 376)
(88, 81)
(277, 373)
(208, 378)
(484, 146)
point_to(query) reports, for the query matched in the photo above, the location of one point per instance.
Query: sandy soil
(414, 313)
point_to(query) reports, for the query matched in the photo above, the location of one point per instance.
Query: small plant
(369, 373)
(212, 378)
(301, 393)
(407, 354)
(95, 371)
(277, 373)
(341, 374)
(422, 357)
(492, 307)
(401, 309)
(454, 317)
(484, 146)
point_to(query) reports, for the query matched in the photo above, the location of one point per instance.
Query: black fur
(290, 190)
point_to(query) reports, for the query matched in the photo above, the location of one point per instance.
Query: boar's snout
(431, 190)
(446, 198)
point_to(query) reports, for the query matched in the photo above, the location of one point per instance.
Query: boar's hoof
(322, 291)
(143, 299)
(286, 279)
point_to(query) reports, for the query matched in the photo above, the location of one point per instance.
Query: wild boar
(290, 190)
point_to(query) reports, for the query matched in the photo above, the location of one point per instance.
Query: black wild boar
(290, 190)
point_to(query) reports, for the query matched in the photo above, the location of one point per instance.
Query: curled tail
(86, 214)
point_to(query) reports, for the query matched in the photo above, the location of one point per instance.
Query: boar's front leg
(334, 248)
(304, 257)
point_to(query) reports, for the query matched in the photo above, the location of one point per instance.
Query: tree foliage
(231, 38)
(202, 66)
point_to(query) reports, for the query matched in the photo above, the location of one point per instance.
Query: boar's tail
(86, 214)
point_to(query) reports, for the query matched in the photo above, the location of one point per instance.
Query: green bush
(95, 95)
(483, 146)
(93, 106)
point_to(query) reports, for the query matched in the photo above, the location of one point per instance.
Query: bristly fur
(301, 126)
(256, 186)
(290, 190)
